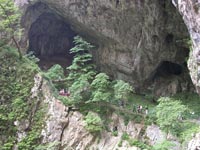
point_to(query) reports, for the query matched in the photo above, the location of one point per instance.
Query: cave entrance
(50, 39)
(167, 69)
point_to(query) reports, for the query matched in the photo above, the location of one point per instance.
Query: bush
(169, 113)
(164, 145)
(100, 88)
(93, 122)
(55, 73)
(122, 90)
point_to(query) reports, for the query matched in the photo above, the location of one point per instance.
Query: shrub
(55, 73)
(169, 113)
(100, 88)
(93, 122)
(164, 145)
(122, 90)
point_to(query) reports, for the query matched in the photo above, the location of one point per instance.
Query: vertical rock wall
(132, 37)
(190, 11)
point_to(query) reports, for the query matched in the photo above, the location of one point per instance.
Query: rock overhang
(132, 38)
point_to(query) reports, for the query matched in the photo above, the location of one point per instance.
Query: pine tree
(81, 64)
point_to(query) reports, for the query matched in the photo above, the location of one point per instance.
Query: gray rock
(132, 37)
(194, 144)
(191, 15)
(154, 134)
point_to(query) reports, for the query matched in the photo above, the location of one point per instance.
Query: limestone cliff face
(67, 128)
(133, 38)
(190, 11)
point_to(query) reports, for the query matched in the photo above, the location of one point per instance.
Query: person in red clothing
(62, 92)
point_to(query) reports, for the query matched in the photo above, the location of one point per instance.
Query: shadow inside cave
(50, 39)
(167, 69)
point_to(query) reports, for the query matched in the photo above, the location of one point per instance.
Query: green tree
(82, 60)
(80, 89)
(169, 113)
(55, 72)
(93, 122)
(163, 145)
(82, 71)
(101, 88)
(122, 90)
(9, 22)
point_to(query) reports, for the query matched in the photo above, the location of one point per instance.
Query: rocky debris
(37, 86)
(21, 128)
(132, 37)
(190, 12)
(154, 134)
(194, 144)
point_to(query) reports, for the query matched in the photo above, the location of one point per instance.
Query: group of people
(64, 92)
(140, 109)
(136, 108)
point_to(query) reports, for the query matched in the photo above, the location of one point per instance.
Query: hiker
(121, 103)
(139, 109)
(62, 92)
(115, 129)
(146, 110)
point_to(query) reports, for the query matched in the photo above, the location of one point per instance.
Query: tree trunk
(18, 47)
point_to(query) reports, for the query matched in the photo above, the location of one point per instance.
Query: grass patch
(192, 101)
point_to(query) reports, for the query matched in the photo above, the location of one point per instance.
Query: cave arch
(166, 69)
(50, 39)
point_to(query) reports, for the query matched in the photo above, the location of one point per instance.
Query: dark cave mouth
(50, 39)
(167, 69)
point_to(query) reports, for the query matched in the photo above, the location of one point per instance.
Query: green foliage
(79, 88)
(32, 57)
(191, 100)
(29, 142)
(81, 46)
(187, 129)
(49, 146)
(100, 86)
(164, 145)
(134, 142)
(93, 122)
(125, 136)
(120, 143)
(122, 89)
(16, 78)
(139, 144)
(168, 113)
(82, 60)
(9, 145)
(115, 133)
(101, 82)
(55, 73)
(10, 22)
(10, 16)
(33, 137)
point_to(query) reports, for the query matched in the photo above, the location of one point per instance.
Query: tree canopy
(10, 22)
